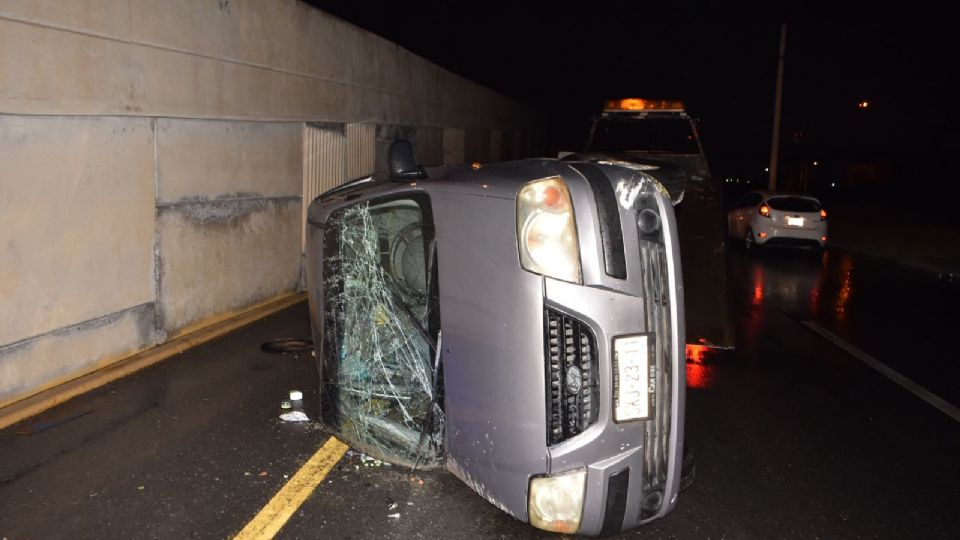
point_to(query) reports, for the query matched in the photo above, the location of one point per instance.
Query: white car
(764, 218)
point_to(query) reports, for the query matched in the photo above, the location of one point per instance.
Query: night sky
(720, 60)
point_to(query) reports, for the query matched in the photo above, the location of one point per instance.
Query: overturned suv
(519, 324)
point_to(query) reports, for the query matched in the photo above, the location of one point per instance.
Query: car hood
(676, 172)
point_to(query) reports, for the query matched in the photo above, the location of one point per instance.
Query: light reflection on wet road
(906, 320)
(794, 436)
(700, 372)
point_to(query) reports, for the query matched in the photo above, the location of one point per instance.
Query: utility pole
(778, 102)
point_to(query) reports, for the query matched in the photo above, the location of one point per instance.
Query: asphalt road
(795, 435)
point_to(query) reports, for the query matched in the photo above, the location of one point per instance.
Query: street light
(863, 104)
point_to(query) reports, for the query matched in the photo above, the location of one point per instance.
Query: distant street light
(815, 163)
(863, 104)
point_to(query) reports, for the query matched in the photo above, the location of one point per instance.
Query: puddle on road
(700, 373)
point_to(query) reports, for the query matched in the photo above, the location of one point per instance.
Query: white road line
(917, 390)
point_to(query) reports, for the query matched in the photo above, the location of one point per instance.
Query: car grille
(656, 437)
(572, 388)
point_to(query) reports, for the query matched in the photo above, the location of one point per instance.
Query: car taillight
(823, 214)
(764, 210)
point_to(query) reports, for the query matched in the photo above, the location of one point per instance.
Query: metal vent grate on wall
(332, 155)
(361, 150)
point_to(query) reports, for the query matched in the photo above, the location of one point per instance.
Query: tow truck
(660, 138)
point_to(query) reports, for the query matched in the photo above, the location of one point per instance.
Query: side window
(381, 323)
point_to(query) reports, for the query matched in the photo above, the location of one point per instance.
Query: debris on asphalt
(285, 345)
(140, 488)
(295, 416)
(369, 461)
(416, 480)
(394, 516)
(263, 473)
(393, 506)
(292, 409)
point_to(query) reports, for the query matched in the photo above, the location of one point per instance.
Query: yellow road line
(267, 523)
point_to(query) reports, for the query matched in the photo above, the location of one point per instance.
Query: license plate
(795, 221)
(634, 384)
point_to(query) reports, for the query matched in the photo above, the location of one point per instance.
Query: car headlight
(546, 231)
(556, 502)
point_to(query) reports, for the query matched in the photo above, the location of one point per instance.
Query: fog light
(556, 502)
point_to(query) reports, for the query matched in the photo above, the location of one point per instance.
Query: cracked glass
(381, 368)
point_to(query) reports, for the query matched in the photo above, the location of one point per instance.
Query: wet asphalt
(794, 437)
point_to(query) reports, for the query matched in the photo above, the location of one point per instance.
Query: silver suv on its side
(519, 324)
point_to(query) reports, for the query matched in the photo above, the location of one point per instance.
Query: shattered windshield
(381, 328)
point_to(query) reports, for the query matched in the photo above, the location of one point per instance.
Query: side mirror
(401, 163)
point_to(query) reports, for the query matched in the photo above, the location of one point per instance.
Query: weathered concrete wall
(199, 159)
(151, 161)
(76, 242)
(453, 146)
(245, 59)
(228, 216)
(223, 255)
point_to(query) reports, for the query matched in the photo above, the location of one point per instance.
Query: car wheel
(748, 240)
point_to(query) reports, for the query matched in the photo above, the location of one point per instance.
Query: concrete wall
(151, 161)
(228, 216)
(76, 244)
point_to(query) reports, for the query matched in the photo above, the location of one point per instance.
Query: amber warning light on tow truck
(637, 104)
